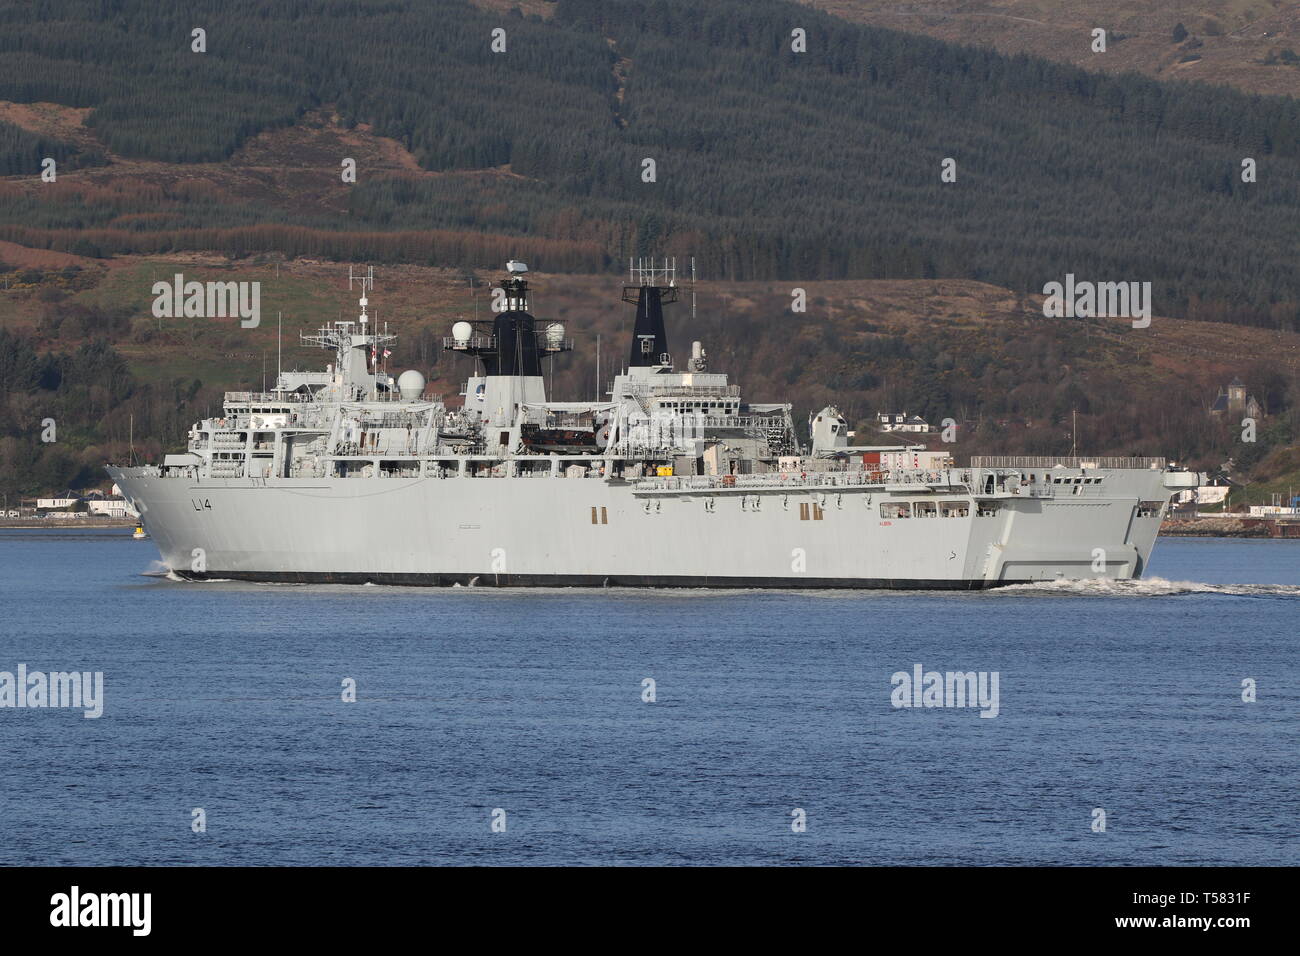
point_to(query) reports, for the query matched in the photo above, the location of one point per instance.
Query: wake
(1150, 587)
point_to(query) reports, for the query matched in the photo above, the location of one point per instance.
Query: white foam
(1149, 587)
(171, 575)
(156, 569)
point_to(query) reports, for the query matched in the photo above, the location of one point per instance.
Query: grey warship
(348, 475)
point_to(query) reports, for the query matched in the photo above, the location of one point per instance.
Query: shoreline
(63, 524)
(1229, 527)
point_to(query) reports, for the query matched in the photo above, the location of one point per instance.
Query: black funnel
(649, 341)
(516, 346)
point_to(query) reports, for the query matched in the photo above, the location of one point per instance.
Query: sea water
(1153, 722)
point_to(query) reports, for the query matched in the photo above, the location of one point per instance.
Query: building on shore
(110, 506)
(1215, 491)
(902, 422)
(98, 503)
(58, 500)
(1234, 401)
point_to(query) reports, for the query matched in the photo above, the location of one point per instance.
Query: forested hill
(769, 163)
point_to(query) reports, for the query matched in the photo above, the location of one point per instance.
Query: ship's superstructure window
(895, 509)
(925, 509)
(1075, 480)
(954, 509)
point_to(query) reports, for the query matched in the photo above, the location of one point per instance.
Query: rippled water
(227, 696)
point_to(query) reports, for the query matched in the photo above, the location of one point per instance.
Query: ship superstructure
(672, 479)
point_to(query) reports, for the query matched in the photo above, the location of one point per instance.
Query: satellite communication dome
(555, 334)
(460, 332)
(411, 384)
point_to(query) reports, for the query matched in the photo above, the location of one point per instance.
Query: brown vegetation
(1227, 41)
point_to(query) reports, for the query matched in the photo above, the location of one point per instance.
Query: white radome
(411, 385)
(461, 331)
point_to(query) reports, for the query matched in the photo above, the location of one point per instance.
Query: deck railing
(1051, 461)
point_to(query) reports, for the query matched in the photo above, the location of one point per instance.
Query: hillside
(775, 168)
(768, 164)
(978, 354)
(1253, 45)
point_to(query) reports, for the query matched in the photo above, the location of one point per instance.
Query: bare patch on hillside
(297, 167)
(66, 123)
(541, 8)
(15, 255)
(1231, 42)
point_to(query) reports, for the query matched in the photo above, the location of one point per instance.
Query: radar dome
(411, 384)
(555, 335)
(461, 331)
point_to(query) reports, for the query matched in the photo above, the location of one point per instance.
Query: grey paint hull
(540, 531)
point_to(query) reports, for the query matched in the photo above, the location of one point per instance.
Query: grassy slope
(1278, 474)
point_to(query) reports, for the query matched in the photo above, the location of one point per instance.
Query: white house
(62, 500)
(1213, 492)
(110, 507)
(902, 422)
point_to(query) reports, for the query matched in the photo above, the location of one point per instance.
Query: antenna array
(648, 271)
(367, 281)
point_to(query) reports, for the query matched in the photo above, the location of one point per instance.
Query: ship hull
(588, 532)
(505, 580)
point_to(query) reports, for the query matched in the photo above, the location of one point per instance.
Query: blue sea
(525, 708)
